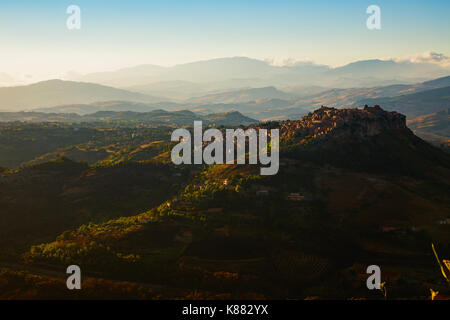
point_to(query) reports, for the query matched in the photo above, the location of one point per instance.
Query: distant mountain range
(245, 95)
(83, 109)
(263, 103)
(415, 104)
(183, 117)
(253, 88)
(235, 72)
(411, 100)
(355, 96)
(58, 92)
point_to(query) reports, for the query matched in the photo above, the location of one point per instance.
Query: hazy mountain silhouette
(338, 97)
(185, 90)
(415, 104)
(360, 73)
(127, 76)
(245, 95)
(181, 117)
(386, 68)
(434, 127)
(57, 92)
(271, 103)
(83, 109)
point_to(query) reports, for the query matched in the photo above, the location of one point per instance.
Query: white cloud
(287, 62)
(430, 57)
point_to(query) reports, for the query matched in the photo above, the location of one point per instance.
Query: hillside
(182, 117)
(58, 92)
(45, 199)
(232, 118)
(415, 104)
(100, 136)
(83, 109)
(246, 95)
(24, 142)
(434, 128)
(354, 138)
(293, 102)
(346, 176)
(176, 89)
(357, 97)
(154, 117)
(261, 102)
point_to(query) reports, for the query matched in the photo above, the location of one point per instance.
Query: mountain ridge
(158, 116)
(57, 92)
(367, 72)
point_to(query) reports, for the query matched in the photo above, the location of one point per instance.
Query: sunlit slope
(325, 211)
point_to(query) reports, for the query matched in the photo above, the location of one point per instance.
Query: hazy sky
(35, 42)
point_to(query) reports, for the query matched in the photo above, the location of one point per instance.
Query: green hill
(233, 233)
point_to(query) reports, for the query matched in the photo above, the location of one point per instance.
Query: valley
(355, 187)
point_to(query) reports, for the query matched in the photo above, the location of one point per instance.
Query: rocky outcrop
(341, 123)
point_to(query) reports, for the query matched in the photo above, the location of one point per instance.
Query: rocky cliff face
(341, 123)
(368, 139)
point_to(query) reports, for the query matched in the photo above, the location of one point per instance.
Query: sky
(35, 42)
